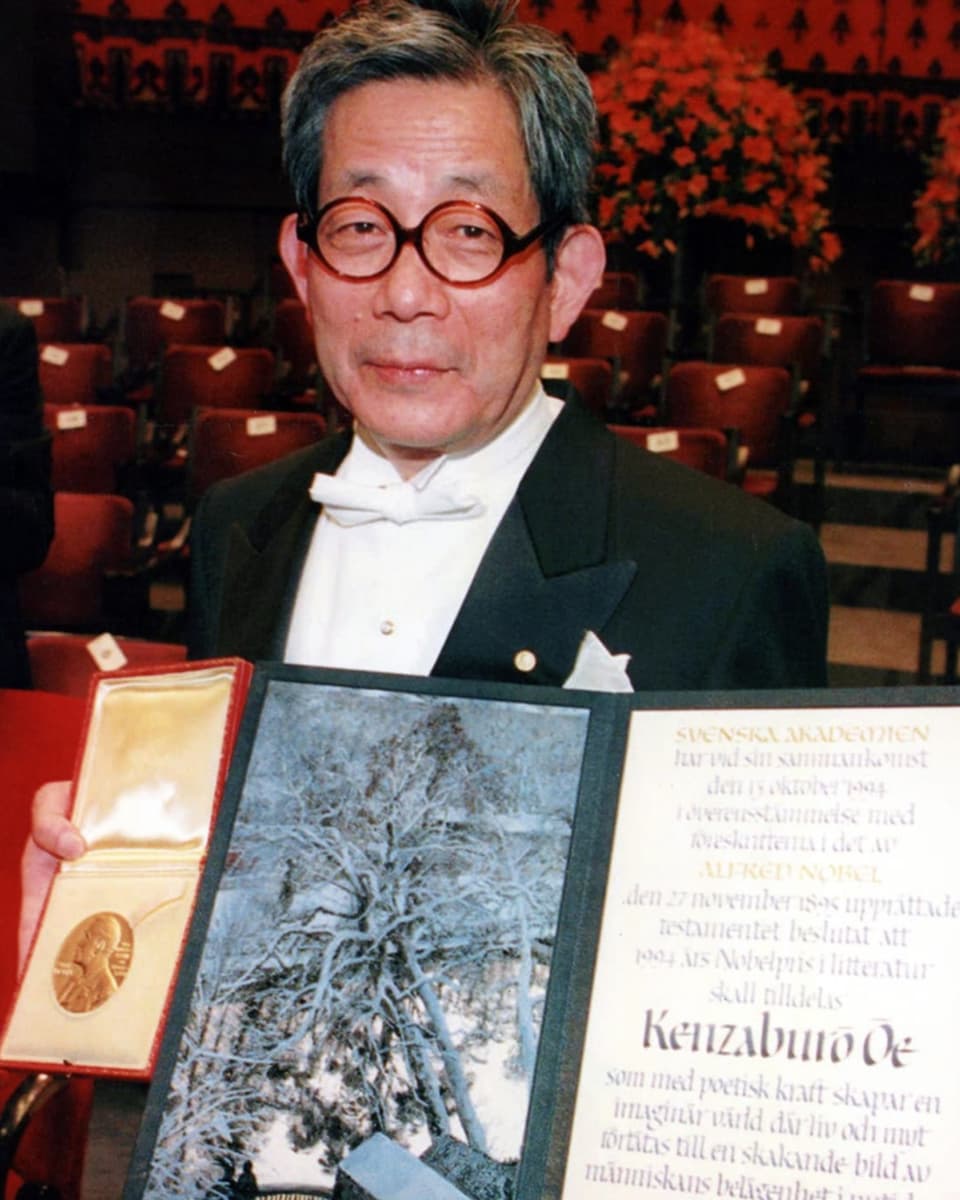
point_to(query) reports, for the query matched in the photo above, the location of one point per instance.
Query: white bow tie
(357, 503)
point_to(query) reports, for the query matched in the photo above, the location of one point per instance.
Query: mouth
(406, 372)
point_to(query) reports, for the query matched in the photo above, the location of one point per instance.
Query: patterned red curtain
(869, 67)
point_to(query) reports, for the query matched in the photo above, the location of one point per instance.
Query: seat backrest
(226, 442)
(151, 324)
(55, 318)
(293, 342)
(65, 662)
(751, 399)
(93, 535)
(591, 378)
(770, 340)
(752, 294)
(706, 450)
(617, 289)
(91, 445)
(194, 377)
(634, 342)
(914, 324)
(74, 372)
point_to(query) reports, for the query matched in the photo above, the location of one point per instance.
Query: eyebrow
(484, 182)
(481, 184)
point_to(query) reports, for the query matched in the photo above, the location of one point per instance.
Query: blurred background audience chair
(151, 324)
(225, 442)
(712, 451)
(906, 393)
(55, 318)
(755, 294)
(589, 380)
(76, 372)
(93, 448)
(758, 402)
(66, 662)
(635, 344)
(93, 539)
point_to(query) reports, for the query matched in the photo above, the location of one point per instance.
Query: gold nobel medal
(93, 962)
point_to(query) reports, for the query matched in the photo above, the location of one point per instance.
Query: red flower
(693, 127)
(758, 148)
(936, 209)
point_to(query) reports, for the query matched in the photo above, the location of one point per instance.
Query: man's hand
(53, 837)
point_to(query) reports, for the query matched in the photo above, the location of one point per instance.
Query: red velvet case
(153, 762)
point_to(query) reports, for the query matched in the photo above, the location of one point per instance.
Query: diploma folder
(153, 760)
(748, 949)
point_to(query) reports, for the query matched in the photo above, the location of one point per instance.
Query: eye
(473, 232)
(463, 232)
(353, 227)
(361, 228)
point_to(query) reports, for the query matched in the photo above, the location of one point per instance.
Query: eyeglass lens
(460, 242)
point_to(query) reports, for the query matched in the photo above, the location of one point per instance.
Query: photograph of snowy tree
(379, 945)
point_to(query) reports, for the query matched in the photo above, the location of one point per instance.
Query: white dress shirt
(381, 596)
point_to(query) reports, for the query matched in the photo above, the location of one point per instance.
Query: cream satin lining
(153, 754)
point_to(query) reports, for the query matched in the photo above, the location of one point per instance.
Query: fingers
(53, 837)
(50, 828)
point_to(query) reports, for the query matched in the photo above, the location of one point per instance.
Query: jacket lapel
(262, 568)
(544, 581)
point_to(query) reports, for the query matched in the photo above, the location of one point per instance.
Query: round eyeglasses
(459, 241)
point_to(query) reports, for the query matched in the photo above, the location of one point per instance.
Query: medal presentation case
(154, 757)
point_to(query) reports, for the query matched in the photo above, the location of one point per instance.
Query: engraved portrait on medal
(93, 962)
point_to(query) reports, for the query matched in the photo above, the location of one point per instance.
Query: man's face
(92, 946)
(425, 366)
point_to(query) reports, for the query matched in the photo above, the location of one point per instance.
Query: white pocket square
(597, 670)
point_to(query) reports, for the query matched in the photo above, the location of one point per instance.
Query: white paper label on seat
(730, 379)
(172, 311)
(555, 371)
(923, 292)
(614, 320)
(259, 426)
(72, 418)
(31, 308)
(222, 358)
(56, 356)
(770, 326)
(106, 653)
(664, 441)
(756, 287)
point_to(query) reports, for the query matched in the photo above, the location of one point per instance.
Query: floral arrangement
(691, 127)
(935, 210)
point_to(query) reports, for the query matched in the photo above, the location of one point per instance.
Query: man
(395, 113)
(441, 159)
(26, 500)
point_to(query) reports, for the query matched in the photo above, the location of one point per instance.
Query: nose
(410, 289)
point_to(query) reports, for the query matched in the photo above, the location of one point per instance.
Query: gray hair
(460, 40)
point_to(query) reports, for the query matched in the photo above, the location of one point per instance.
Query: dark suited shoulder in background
(26, 498)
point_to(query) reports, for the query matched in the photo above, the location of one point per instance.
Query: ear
(578, 269)
(294, 254)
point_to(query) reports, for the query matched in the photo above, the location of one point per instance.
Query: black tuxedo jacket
(703, 586)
